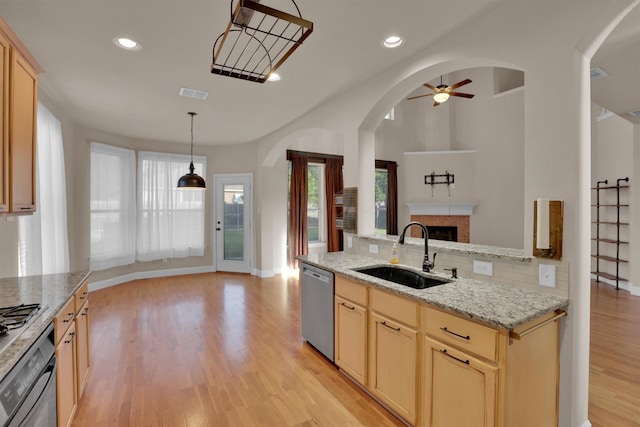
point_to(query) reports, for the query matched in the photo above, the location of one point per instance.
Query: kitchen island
(465, 352)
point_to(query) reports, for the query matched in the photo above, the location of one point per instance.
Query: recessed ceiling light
(126, 43)
(393, 41)
(274, 77)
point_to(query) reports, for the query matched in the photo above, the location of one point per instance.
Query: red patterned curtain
(298, 210)
(333, 185)
(392, 198)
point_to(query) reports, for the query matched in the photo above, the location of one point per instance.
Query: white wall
(491, 125)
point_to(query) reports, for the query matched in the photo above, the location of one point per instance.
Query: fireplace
(443, 232)
(443, 219)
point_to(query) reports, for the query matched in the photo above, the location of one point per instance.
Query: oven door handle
(38, 389)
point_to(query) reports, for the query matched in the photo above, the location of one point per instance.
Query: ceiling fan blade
(463, 95)
(419, 96)
(461, 83)
(429, 86)
(436, 103)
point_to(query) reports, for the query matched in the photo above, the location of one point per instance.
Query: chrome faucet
(426, 264)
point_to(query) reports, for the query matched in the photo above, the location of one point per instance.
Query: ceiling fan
(442, 92)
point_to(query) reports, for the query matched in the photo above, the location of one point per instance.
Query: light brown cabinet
(65, 333)
(81, 302)
(393, 352)
(475, 375)
(435, 368)
(351, 328)
(19, 95)
(72, 352)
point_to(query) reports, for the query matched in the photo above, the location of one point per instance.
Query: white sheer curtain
(170, 221)
(43, 246)
(113, 206)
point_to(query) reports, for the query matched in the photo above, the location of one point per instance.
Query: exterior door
(233, 222)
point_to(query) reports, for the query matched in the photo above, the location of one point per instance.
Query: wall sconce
(547, 228)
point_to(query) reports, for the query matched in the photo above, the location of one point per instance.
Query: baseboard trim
(149, 275)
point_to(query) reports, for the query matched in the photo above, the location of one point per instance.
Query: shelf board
(608, 258)
(607, 275)
(608, 187)
(609, 241)
(609, 222)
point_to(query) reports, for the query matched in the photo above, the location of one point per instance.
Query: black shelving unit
(608, 235)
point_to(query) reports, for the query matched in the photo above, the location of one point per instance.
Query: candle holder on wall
(446, 178)
(547, 228)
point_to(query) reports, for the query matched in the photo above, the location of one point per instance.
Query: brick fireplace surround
(459, 221)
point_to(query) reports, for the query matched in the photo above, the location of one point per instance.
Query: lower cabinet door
(351, 339)
(393, 365)
(82, 347)
(66, 377)
(459, 390)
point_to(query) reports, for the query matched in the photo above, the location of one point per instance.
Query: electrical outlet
(483, 267)
(373, 248)
(349, 242)
(547, 275)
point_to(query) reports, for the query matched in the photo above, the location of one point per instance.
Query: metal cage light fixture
(191, 180)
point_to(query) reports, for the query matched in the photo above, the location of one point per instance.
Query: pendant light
(191, 180)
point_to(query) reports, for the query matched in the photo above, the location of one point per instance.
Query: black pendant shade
(191, 180)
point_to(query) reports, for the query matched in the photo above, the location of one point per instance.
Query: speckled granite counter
(493, 304)
(52, 291)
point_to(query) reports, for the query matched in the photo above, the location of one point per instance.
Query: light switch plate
(373, 248)
(483, 267)
(547, 275)
(349, 242)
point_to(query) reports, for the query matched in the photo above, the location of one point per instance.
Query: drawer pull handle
(69, 319)
(467, 337)
(389, 326)
(72, 335)
(444, 351)
(350, 308)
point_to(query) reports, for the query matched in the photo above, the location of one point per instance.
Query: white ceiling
(135, 94)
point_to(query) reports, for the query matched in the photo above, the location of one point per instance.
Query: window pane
(381, 201)
(234, 222)
(112, 206)
(313, 203)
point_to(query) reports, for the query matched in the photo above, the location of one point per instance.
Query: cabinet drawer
(351, 291)
(81, 296)
(395, 307)
(64, 319)
(464, 334)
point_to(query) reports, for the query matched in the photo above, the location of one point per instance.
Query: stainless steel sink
(402, 276)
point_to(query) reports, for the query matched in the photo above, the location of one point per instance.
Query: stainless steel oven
(28, 391)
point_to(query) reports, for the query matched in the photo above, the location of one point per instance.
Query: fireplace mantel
(421, 208)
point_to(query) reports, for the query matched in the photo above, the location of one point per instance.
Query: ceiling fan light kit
(442, 92)
(257, 41)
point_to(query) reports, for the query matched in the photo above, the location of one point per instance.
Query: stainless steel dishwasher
(317, 308)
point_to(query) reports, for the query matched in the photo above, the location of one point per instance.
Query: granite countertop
(456, 247)
(496, 305)
(51, 290)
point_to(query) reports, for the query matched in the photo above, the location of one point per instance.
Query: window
(381, 201)
(316, 207)
(112, 206)
(42, 237)
(170, 221)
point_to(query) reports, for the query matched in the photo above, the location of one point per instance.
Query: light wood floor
(614, 381)
(225, 350)
(212, 350)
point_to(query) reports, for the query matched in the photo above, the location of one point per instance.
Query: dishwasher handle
(322, 277)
